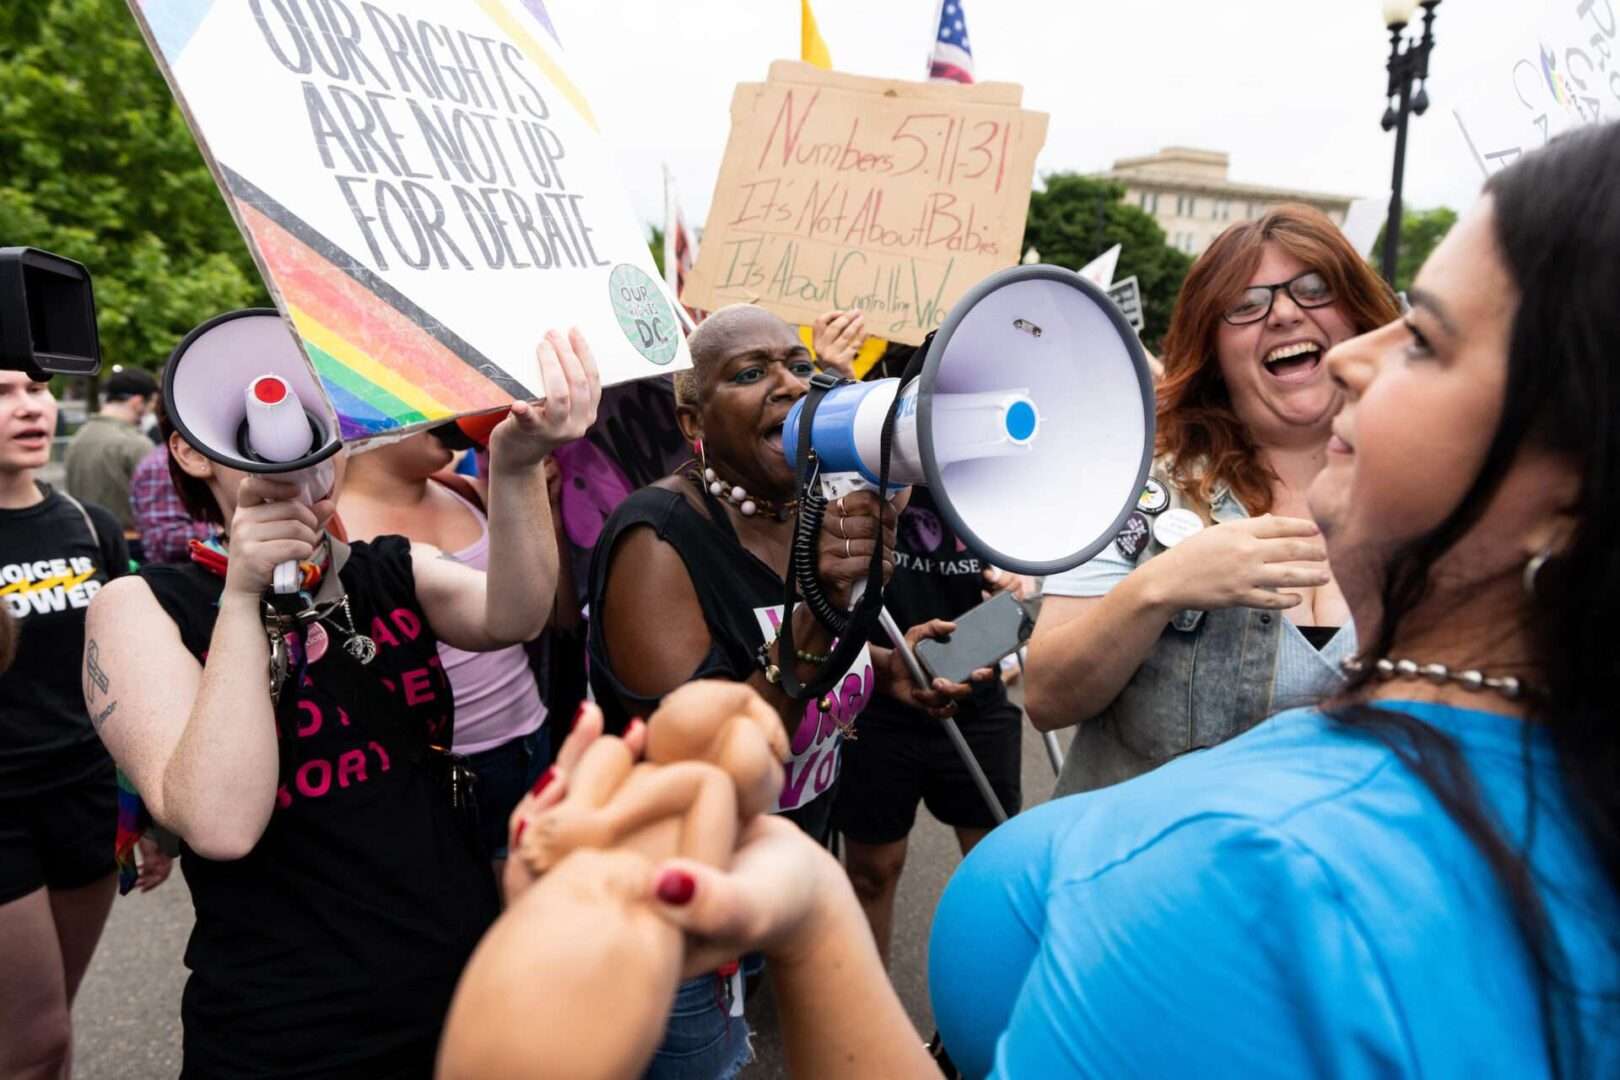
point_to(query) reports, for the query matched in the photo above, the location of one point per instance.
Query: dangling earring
(716, 486)
(1532, 569)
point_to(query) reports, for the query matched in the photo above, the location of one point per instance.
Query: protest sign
(1563, 75)
(1127, 296)
(1100, 271)
(425, 190)
(843, 192)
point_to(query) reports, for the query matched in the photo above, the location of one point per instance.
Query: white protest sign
(426, 191)
(1100, 271)
(1362, 222)
(1564, 76)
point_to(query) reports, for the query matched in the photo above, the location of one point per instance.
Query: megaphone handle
(920, 678)
(286, 579)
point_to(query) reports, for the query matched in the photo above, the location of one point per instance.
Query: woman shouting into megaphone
(338, 885)
(687, 583)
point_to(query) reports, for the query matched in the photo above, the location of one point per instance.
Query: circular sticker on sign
(1154, 497)
(1174, 526)
(643, 314)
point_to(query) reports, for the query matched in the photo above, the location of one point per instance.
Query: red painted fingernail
(675, 887)
(579, 713)
(517, 834)
(545, 781)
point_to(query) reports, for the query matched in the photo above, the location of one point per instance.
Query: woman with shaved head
(687, 583)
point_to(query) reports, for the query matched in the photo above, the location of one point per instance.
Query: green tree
(99, 166)
(1421, 233)
(1076, 218)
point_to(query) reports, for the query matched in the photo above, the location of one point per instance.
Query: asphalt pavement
(127, 1017)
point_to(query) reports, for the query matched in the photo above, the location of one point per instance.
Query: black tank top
(334, 946)
(741, 598)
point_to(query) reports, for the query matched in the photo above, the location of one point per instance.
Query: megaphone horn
(239, 389)
(1031, 422)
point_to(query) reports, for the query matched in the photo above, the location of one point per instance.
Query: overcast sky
(1292, 89)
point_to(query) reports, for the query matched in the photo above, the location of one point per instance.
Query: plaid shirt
(160, 516)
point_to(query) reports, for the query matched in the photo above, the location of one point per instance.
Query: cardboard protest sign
(1564, 76)
(425, 190)
(843, 192)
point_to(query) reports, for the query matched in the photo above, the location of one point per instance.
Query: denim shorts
(703, 1041)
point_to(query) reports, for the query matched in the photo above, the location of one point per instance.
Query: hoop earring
(697, 448)
(1532, 569)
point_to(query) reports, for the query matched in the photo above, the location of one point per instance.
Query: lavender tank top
(496, 697)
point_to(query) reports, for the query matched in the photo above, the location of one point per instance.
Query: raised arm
(510, 604)
(199, 742)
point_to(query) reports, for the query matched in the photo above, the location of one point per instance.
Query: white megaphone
(1031, 422)
(240, 390)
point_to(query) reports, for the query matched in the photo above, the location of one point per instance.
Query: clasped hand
(778, 880)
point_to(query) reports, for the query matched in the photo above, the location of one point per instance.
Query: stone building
(1187, 191)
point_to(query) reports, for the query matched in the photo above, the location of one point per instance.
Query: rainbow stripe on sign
(360, 332)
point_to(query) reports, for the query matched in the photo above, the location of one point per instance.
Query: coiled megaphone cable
(812, 509)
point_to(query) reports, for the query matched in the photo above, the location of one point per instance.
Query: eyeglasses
(1308, 290)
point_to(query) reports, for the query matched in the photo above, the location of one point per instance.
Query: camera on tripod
(47, 315)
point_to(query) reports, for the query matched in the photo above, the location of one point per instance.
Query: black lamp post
(1408, 63)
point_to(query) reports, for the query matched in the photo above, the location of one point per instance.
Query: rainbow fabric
(348, 317)
(133, 821)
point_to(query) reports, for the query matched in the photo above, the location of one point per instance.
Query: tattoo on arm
(92, 667)
(101, 717)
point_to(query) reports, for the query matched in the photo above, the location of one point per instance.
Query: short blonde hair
(704, 349)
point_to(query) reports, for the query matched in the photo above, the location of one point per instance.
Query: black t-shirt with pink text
(334, 946)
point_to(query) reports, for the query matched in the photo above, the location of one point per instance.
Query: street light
(1408, 63)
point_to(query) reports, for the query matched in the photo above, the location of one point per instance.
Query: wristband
(773, 674)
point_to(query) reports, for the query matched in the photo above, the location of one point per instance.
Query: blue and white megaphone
(1031, 422)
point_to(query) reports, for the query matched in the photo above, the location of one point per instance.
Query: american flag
(952, 60)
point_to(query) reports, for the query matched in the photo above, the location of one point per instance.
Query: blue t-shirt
(1293, 902)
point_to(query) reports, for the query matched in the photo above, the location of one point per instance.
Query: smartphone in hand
(982, 637)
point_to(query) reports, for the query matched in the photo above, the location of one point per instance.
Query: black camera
(47, 315)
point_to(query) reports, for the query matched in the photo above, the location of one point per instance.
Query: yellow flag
(812, 50)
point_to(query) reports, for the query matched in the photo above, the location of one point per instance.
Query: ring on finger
(841, 533)
(846, 548)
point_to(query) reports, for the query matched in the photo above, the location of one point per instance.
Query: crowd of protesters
(1344, 765)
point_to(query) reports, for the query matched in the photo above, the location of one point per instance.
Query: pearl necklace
(746, 504)
(1439, 674)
